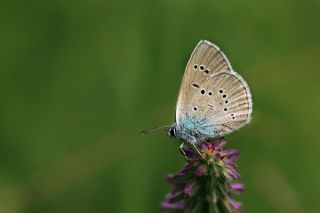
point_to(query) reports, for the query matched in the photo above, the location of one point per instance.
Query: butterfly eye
(172, 132)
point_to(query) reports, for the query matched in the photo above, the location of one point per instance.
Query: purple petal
(190, 189)
(235, 204)
(230, 153)
(171, 196)
(219, 144)
(208, 147)
(177, 205)
(175, 178)
(186, 166)
(233, 173)
(191, 153)
(238, 187)
(230, 162)
(200, 170)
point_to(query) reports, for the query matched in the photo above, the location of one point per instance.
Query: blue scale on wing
(192, 127)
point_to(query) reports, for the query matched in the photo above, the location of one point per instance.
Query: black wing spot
(202, 91)
(206, 71)
(195, 108)
(221, 91)
(224, 96)
(232, 116)
(195, 66)
(195, 85)
(226, 102)
(210, 93)
(225, 109)
(201, 67)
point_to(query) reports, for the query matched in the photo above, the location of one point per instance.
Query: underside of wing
(205, 61)
(222, 103)
(208, 58)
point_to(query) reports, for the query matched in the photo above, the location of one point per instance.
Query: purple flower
(235, 205)
(177, 205)
(233, 173)
(189, 189)
(207, 182)
(200, 170)
(237, 187)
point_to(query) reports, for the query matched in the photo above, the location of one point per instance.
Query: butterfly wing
(225, 106)
(205, 60)
(216, 103)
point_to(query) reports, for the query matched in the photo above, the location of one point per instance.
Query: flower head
(207, 181)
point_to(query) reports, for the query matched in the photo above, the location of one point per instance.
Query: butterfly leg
(183, 152)
(196, 148)
(193, 141)
(181, 149)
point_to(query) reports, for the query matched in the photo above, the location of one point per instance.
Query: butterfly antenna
(145, 131)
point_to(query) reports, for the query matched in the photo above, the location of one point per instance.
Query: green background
(80, 79)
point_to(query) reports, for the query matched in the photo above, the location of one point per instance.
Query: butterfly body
(213, 99)
(190, 129)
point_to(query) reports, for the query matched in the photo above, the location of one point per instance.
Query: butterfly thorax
(190, 129)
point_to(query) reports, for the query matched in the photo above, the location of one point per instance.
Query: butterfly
(213, 99)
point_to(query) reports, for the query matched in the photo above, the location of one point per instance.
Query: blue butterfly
(213, 99)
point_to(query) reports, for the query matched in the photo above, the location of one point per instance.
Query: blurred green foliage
(79, 79)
